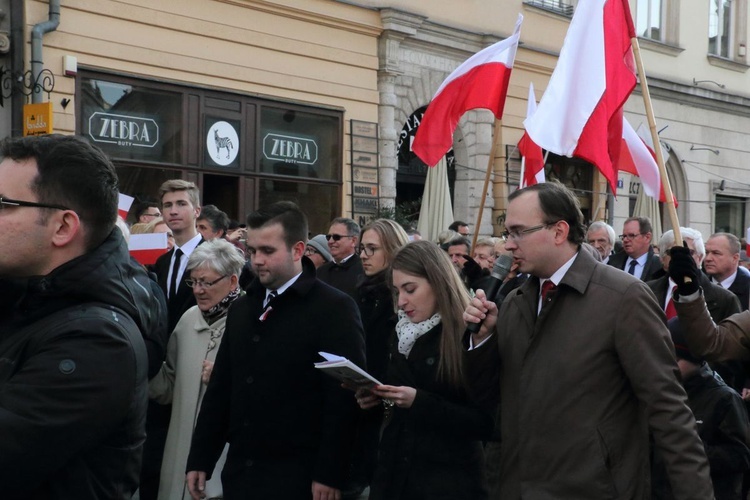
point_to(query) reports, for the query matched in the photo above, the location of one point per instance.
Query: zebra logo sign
(222, 143)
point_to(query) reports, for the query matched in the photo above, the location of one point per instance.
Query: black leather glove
(472, 270)
(683, 270)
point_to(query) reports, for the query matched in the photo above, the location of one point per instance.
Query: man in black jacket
(288, 425)
(722, 424)
(72, 361)
(345, 272)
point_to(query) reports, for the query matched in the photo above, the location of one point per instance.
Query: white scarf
(408, 332)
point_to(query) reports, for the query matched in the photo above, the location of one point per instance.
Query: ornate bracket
(13, 83)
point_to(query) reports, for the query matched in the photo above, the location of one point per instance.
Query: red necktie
(547, 287)
(670, 311)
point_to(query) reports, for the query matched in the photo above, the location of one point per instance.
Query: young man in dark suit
(180, 205)
(289, 426)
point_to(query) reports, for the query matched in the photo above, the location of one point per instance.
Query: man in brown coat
(582, 374)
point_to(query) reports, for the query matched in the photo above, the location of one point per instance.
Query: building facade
(317, 101)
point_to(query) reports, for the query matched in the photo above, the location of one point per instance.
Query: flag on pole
(533, 157)
(480, 82)
(637, 156)
(580, 114)
(146, 248)
(123, 205)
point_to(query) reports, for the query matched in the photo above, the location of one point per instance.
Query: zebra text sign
(290, 149)
(123, 130)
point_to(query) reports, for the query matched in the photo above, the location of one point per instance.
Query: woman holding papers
(431, 439)
(213, 269)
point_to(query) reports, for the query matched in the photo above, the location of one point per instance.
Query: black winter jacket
(73, 386)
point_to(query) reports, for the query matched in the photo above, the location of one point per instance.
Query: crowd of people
(601, 367)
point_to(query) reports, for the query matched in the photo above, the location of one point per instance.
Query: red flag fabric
(533, 157)
(637, 156)
(580, 114)
(146, 248)
(480, 82)
(124, 203)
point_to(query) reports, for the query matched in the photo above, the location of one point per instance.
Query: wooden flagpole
(657, 145)
(490, 163)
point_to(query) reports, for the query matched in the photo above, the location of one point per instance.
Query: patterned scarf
(220, 309)
(408, 332)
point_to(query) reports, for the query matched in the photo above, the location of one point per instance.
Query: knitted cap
(320, 244)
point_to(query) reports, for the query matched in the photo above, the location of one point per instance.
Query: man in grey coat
(582, 372)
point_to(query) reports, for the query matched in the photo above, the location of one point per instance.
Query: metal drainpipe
(39, 30)
(17, 23)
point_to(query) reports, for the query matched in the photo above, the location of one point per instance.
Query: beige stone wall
(317, 52)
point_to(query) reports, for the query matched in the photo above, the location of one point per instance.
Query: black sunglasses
(337, 237)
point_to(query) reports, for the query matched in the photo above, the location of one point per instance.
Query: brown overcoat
(580, 387)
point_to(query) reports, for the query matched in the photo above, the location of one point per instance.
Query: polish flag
(124, 204)
(146, 248)
(580, 114)
(533, 157)
(747, 239)
(480, 82)
(637, 156)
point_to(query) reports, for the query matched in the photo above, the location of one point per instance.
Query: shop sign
(366, 190)
(290, 149)
(123, 130)
(222, 143)
(37, 119)
(365, 205)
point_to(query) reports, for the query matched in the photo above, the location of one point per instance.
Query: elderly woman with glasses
(213, 269)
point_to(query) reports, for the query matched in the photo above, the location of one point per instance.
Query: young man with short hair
(290, 425)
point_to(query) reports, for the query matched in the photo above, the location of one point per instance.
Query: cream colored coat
(179, 382)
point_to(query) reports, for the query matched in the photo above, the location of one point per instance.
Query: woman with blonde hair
(429, 423)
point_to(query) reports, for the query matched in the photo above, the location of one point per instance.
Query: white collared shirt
(556, 278)
(727, 282)
(281, 289)
(640, 264)
(187, 249)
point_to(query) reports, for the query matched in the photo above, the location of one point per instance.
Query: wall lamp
(720, 85)
(714, 151)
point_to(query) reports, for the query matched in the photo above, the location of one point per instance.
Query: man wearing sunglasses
(73, 365)
(346, 269)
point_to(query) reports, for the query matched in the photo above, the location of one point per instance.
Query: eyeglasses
(337, 237)
(310, 251)
(368, 250)
(517, 234)
(203, 284)
(6, 203)
(630, 236)
(157, 214)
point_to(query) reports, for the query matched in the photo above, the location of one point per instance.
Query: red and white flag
(533, 157)
(124, 204)
(637, 156)
(146, 248)
(480, 82)
(580, 114)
